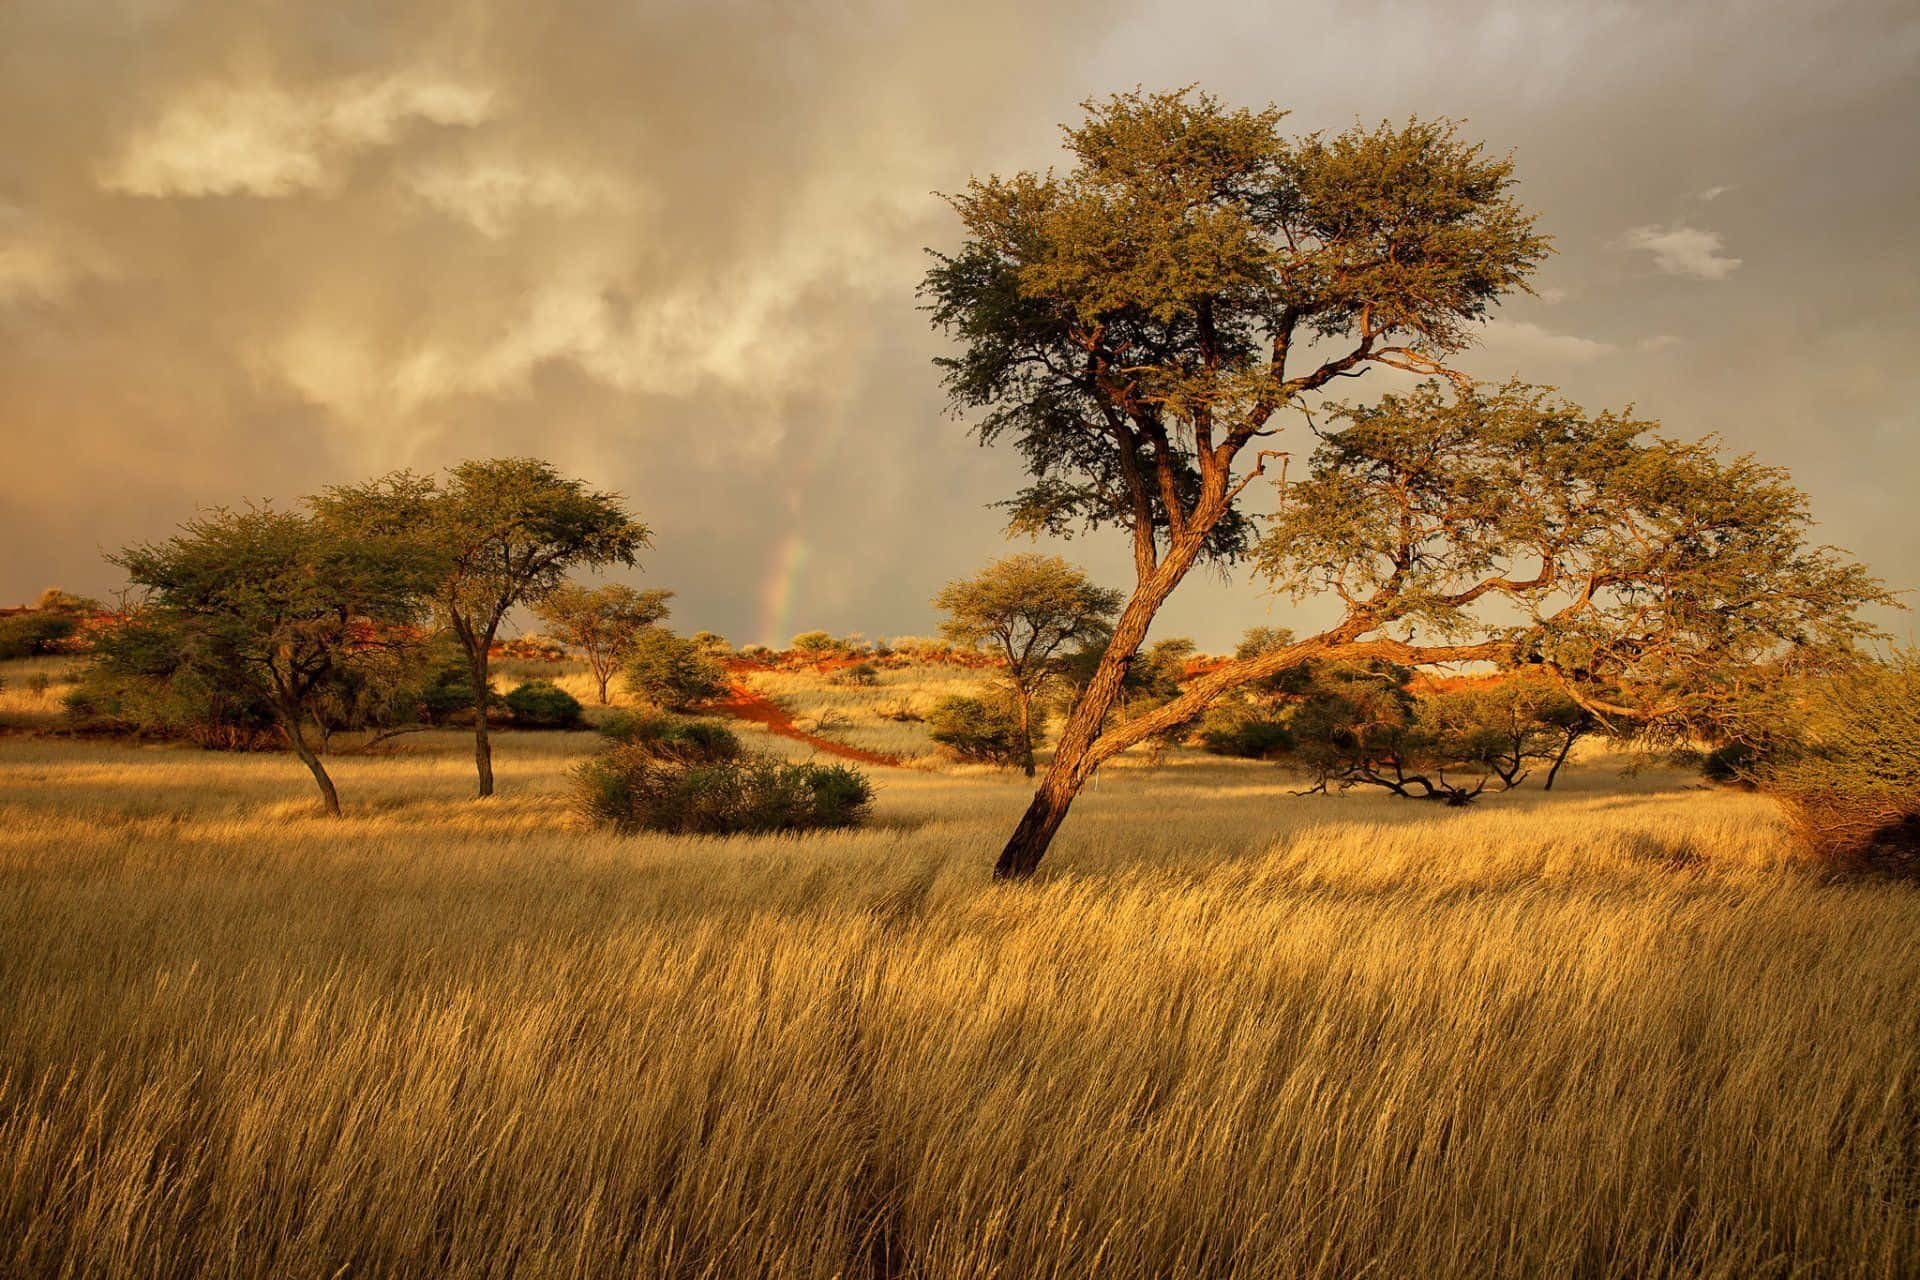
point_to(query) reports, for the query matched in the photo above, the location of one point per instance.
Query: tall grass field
(1618, 1029)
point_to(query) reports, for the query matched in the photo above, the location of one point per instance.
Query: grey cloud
(248, 250)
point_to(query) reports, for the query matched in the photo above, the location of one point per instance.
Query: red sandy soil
(743, 703)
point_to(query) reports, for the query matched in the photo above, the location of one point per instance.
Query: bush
(984, 730)
(630, 789)
(35, 633)
(672, 672)
(860, 673)
(671, 737)
(1847, 763)
(814, 643)
(1249, 736)
(542, 704)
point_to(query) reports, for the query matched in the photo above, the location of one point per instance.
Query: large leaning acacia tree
(1139, 325)
(502, 533)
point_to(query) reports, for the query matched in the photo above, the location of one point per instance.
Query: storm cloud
(246, 251)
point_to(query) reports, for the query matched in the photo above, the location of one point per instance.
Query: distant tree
(505, 532)
(1510, 725)
(1131, 326)
(602, 623)
(814, 642)
(276, 607)
(672, 672)
(1026, 609)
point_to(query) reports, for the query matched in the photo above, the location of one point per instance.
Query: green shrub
(542, 704)
(672, 672)
(984, 730)
(814, 643)
(37, 632)
(671, 737)
(1248, 735)
(630, 789)
(861, 673)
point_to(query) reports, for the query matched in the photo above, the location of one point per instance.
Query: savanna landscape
(1324, 804)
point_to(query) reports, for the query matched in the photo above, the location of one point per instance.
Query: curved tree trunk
(329, 798)
(1073, 757)
(1565, 748)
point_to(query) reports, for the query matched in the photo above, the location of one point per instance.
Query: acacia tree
(1136, 324)
(1134, 327)
(504, 532)
(603, 623)
(275, 606)
(1511, 725)
(1026, 609)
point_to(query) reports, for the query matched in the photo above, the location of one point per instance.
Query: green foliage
(1845, 761)
(631, 789)
(255, 614)
(136, 685)
(1524, 530)
(860, 673)
(1121, 321)
(814, 642)
(541, 704)
(670, 737)
(35, 633)
(1024, 609)
(499, 533)
(673, 672)
(1245, 731)
(984, 730)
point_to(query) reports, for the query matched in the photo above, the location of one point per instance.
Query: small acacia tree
(673, 672)
(603, 623)
(1026, 609)
(1510, 725)
(1136, 324)
(276, 606)
(504, 532)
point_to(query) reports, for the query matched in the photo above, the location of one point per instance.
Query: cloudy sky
(247, 250)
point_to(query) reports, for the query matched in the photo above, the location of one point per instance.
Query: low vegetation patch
(689, 777)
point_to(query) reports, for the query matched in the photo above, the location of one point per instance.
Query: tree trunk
(329, 798)
(1025, 701)
(603, 681)
(1560, 759)
(482, 749)
(1073, 755)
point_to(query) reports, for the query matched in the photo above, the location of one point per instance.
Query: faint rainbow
(776, 594)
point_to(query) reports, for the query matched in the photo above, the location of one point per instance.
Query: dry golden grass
(1230, 1032)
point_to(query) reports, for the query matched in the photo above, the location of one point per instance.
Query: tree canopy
(503, 532)
(276, 605)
